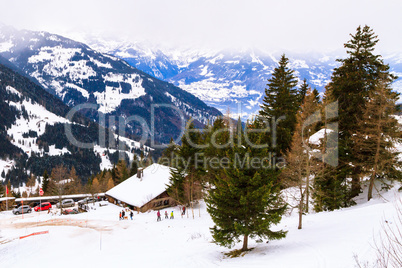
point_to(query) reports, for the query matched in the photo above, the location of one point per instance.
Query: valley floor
(99, 239)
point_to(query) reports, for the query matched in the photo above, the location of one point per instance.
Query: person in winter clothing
(122, 214)
(159, 216)
(131, 215)
(119, 215)
(184, 211)
(171, 215)
(166, 215)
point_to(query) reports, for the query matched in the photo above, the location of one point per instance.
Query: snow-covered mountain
(33, 136)
(224, 79)
(78, 74)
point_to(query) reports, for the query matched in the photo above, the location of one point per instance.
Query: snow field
(328, 239)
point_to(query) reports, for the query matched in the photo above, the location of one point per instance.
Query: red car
(43, 206)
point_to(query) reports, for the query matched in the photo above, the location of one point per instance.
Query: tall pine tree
(121, 171)
(186, 177)
(303, 91)
(134, 167)
(280, 103)
(45, 182)
(245, 198)
(350, 85)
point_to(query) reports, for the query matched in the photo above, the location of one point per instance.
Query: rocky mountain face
(228, 79)
(77, 74)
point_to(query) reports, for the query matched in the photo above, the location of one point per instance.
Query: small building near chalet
(144, 191)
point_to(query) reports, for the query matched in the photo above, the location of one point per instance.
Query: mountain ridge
(225, 78)
(78, 74)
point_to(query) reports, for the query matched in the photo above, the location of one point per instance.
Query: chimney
(140, 173)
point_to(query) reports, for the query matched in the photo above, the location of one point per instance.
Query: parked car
(70, 211)
(86, 200)
(22, 209)
(66, 203)
(43, 206)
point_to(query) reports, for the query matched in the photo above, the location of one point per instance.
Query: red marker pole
(6, 198)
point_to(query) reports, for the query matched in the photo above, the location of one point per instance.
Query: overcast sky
(299, 25)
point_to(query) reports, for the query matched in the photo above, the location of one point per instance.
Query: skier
(131, 215)
(122, 214)
(166, 215)
(171, 215)
(184, 211)
(119, 215)
(159, 216)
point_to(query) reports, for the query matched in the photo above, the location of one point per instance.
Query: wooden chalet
(144, 191)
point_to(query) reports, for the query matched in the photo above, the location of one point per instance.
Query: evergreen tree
(217, 138)
(280, 104)
(45, 182)
(134, 167)
(149, 159)
(245, 200)
(2, 190)
(186, 177)
(168, 155)
(350, 85)
(303, 91)
(330, 189)
(316, 96)
(121, 171)
(176, 184)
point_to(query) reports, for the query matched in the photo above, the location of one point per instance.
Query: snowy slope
(33, 136)
(78, 74)
(98, 238)
(38, 118)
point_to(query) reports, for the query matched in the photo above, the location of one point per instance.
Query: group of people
(158, 214)
(122, 214)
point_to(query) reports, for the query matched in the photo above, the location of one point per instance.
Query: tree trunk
(61, 207)
(191, 195)
(376, 159)
(245, 242)
(371, 186)
(301, 203)
(356, 187)
(307, 182)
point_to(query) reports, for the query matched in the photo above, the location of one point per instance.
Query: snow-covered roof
(137, 192)
(316, 137)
